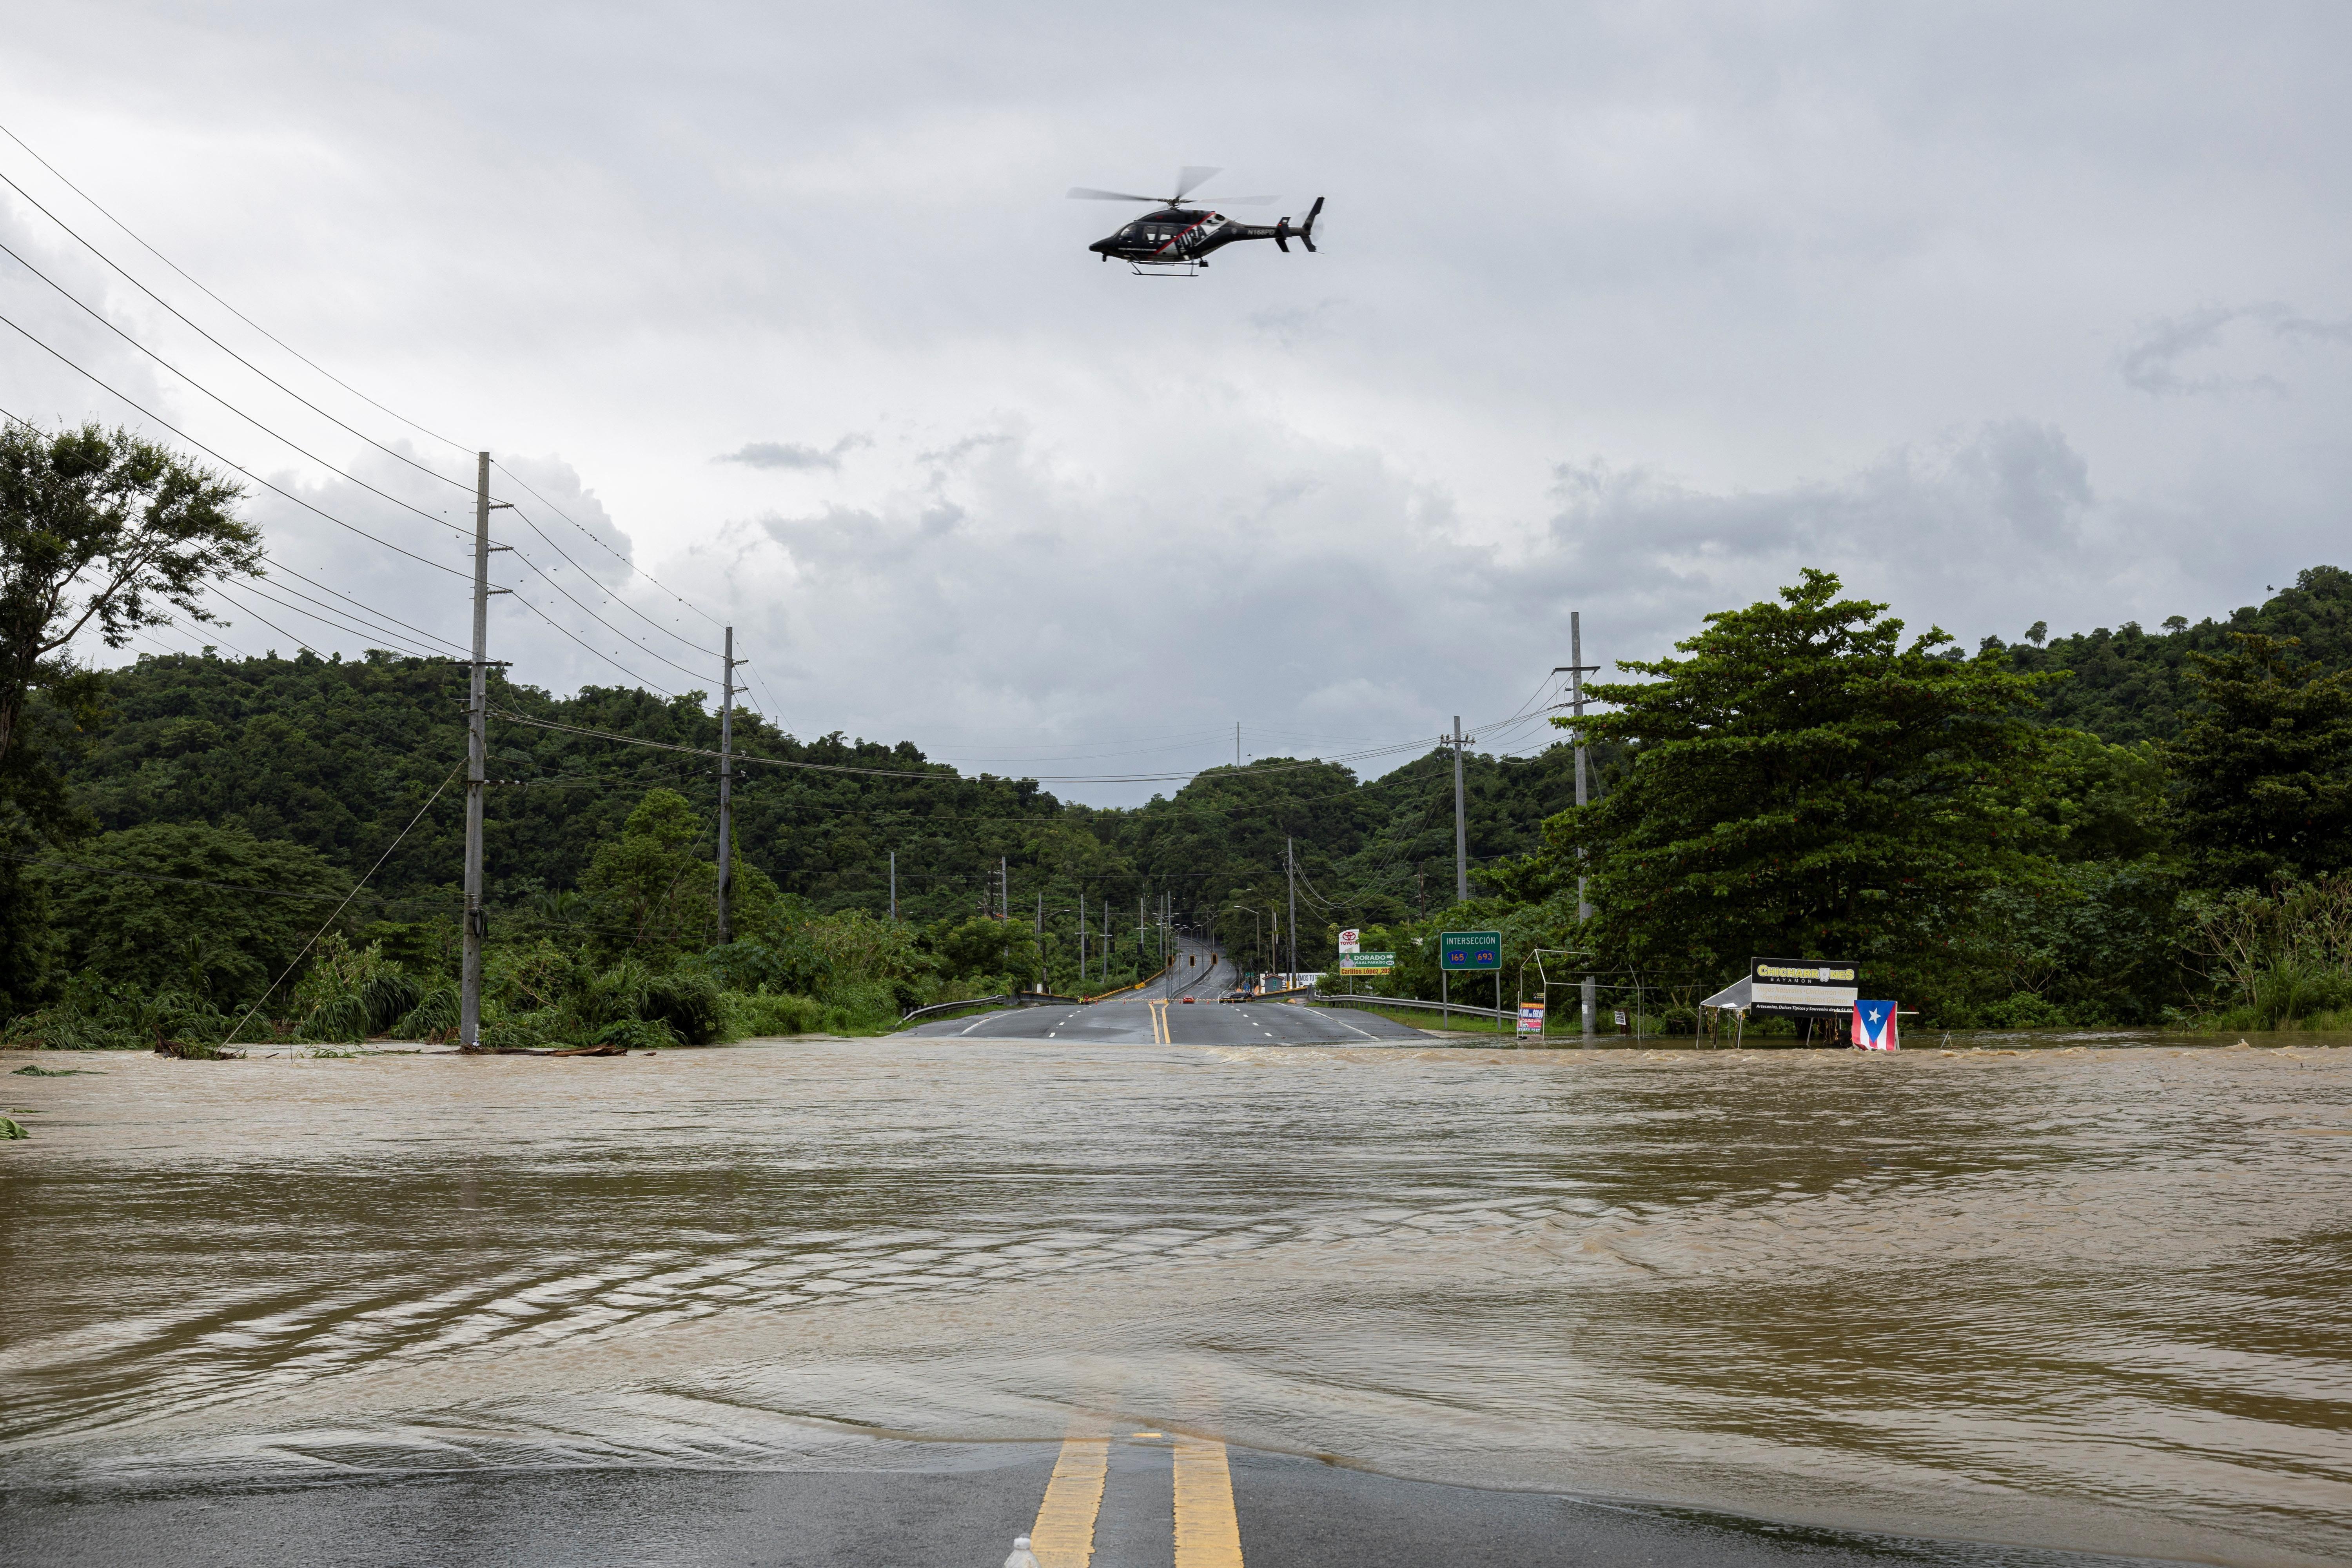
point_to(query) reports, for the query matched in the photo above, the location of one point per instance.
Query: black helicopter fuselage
(1182, 237)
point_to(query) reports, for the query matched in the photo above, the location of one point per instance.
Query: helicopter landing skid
(1166, 268)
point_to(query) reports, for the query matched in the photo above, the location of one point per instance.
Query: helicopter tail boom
(1305, 233)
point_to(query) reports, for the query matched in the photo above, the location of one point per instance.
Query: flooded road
(2089, 1300)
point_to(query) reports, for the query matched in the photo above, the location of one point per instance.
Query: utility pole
(1290, 870)
(1082, 936)
(727, 796)
(1461, 830)
(1576, 668)
(1237, 743)
(1003, 890)
(477, 737)
(894, 885)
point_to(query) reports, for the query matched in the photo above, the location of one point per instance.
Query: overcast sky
(2003, 313)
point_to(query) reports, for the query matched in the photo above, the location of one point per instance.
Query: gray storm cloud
(1635, 312)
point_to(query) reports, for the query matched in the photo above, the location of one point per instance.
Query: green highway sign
(1470, 950)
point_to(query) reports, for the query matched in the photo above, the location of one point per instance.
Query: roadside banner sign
(1359, 963)
(1803, 984)
(1477, 950)
(1874, 1027)
(1351, 941)
(1531, 1017)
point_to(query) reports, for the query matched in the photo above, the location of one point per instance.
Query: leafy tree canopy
(2264, 764)
(210, 911)
(101, 531)
(1805, 783)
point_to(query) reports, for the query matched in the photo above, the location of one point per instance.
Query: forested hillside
(2127, 685)
(189, 783)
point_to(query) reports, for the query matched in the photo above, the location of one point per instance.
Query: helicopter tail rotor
(1304, 234)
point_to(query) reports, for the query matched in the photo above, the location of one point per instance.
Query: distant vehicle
(1186, 1000)
(1178, 239)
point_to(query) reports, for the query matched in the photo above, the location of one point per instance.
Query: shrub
(434, 1015)
(2021, 1010)
(748, 1016)
(688, 1005)
(636, 1034)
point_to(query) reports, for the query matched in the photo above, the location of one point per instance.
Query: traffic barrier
(1021, 1557)
(1339, 999)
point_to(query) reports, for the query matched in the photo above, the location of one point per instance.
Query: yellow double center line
(1160, 1022)
(1208, 1535)
(1063, 1536)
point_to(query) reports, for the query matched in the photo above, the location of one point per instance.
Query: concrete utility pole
(1082, 936)
(1003, 890)
(477, 738)
(1575, 668)
(894, 884)
(727, 795)
(1461, 828)
(1290, 870)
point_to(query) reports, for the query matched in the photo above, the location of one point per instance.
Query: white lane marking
(975, 1024)
(1331, 1016)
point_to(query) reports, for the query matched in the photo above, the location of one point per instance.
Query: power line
(623, 603)
(334, 620)
(217, 456)
(608, 658)
(600, 621)
(600, 543)
(286, 442)
(86, 245)
(215, 298)
(391, 620)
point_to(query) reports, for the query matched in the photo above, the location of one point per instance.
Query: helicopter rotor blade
(1088, 193)
(1224, 202)
(1190, 175)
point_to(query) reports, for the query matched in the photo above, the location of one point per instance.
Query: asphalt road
(1182, 1010)
(951, 1506)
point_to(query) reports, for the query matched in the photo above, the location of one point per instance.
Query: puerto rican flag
(1874, 1027)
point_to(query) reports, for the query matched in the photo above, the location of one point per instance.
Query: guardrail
(1012, 999)
(1273, 995)
(1341, 999)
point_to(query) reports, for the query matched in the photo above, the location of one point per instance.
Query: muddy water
(2091, 1299)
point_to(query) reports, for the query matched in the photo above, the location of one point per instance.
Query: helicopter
(1177, 240)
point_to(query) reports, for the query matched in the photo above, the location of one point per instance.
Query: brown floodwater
(2081, 1297)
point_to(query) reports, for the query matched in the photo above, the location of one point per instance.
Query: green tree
(210, 911)
(2264, 766)
(1803, 784)
(656, 887)
(101, 532)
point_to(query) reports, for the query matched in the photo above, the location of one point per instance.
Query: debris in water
(12, 1128)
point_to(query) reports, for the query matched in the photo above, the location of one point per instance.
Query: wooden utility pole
(1575, 671)
(477, 727)
(727, 795)
(1461, 830)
